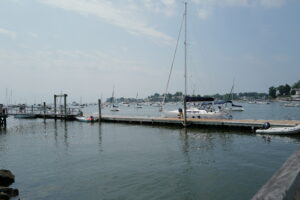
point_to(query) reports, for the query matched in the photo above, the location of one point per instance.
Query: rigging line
(172, 65)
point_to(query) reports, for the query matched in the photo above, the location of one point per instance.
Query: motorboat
(87, 119)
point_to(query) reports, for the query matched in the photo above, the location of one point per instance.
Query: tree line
(283, 90)
(279, 91)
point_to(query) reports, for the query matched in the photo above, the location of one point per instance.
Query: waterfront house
(296, 97)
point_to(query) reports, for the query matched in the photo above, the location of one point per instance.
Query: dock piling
(99, 107)
(55, 107)
(65, 105)
(44, 105)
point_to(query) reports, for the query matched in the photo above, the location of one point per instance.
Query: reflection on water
(56, 159)
(66, 134)
(100, 137)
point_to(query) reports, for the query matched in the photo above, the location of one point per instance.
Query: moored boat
(280, 130)
(291, 105)
(87, 119)
(25, 116)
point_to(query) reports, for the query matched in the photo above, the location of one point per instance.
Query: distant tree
(156, 95)
(287, 89)
(296, 85)
(110, 99)
(281, 89)
(272, 92)
(178, 94)
(284, 90)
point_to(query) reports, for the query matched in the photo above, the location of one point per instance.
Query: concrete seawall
(285, 183)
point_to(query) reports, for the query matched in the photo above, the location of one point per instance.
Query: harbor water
(72, 160)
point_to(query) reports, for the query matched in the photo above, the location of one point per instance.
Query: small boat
(291, 105)
(87, 119)
(280, 130)
(262, 102)
(25, 116)
(138, 106)
(233, 107)
(114, 109)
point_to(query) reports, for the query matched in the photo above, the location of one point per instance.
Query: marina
(149, 100)
(77, 114)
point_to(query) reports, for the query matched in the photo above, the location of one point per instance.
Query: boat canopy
(195, 99)
(220, 102)
(234, 105)
(224, 102)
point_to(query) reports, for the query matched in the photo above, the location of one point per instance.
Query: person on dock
(180, 113)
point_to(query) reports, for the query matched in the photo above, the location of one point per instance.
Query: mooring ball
(266, 125)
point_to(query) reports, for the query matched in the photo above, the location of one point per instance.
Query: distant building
(297, 94)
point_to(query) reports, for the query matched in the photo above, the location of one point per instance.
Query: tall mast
(185, 64)
(112, 95)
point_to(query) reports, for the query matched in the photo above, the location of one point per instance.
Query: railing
(40, 110)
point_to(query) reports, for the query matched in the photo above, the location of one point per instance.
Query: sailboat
(229, 105)
(138, 105)
(114, 107)
(194, 112)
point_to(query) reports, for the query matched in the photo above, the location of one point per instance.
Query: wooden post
(99, 107)
(65, 105)
(44, 105)
(55, 107)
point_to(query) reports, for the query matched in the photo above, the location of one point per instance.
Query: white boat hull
(234, 108)
(87, 119)
(199, 114)
(280, 130)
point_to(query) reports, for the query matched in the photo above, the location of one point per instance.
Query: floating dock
(216, 123)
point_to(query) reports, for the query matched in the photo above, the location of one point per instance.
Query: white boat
(262, 102)
(291, 105)
(280, 130)
(87, 119)
(138, 105)
(235, 108)
(114, 109)
(198, 114)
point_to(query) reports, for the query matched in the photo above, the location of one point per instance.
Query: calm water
(72, 160)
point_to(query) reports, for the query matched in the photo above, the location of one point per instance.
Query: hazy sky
(85, 47)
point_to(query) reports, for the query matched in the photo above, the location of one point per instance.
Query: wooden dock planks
(218, 123)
